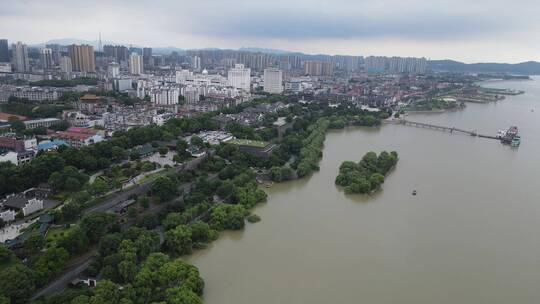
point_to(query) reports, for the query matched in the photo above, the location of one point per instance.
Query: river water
(469, 236)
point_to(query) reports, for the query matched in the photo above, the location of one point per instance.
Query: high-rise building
(273, 79)
(113, 70)
(4, 50)
(46, 58)
(147, 54)
(240, 77)
(57, 51)
(135, 64)
(318, 68)
(196, 63)
(82, 57)
(65, 64)
(120, 53)
(135, 50)
(20, 57)
(395, 64)
(164, 95)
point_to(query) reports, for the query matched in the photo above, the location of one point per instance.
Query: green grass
(57, 232)
(248, 142)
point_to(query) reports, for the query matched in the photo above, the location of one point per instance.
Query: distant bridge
(442, 128)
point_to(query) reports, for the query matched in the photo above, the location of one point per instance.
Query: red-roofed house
(4, 117)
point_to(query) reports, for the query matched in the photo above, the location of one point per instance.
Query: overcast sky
(466, 30)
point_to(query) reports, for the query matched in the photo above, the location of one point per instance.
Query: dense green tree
(178, 240)
(148, 221)
(164, 188)
(49, 264)
(174, 219)
(163, 150)
(95, 224)
(16, 123)
(148, 166)
(98, 187)
(6, 255)
(75, 242)
(17, 283)
(227, 216)
(69, 179)
(366, 175)
(249, 195)
(200, 232)
(34, 244)
(118, 153)
(197, 141)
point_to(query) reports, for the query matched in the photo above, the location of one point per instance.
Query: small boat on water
(516, 141)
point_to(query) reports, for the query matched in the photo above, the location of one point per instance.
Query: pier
(443, 128)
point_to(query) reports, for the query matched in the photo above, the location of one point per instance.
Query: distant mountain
(523, 68)
(265, 50)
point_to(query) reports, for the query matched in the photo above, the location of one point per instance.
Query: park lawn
(248, 142)
(56, 233)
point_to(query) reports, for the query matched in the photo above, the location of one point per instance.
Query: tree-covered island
(367, 175)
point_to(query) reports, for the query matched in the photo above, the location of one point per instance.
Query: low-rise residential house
(51, 145)
(161, 119)
(254, 147)
(90, 104)
(17, 158)
(78, 137)
(7, 215)
(215, 137)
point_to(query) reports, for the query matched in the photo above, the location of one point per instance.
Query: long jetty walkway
(441, 128)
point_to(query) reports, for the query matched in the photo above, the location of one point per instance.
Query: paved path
(81, 263)
(69, 275)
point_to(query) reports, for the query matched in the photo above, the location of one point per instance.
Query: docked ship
(510, 136)
(516, 141)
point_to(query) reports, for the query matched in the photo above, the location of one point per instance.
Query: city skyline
(446, 30)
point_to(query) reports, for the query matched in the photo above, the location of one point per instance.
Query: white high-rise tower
(136, 64)
(239, 77)
(273, 81)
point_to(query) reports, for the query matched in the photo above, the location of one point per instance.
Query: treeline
(25, 107)
(19, 280)
(303, 146)
(95, 157)
(368, 174)
(311, 150)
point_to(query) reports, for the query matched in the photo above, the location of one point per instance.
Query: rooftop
(51, 144)
(6, 116)
(248, 142)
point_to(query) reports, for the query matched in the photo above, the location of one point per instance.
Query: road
(142, 188)
(69, 274)
(81, 263)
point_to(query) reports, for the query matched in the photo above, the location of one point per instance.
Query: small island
(367, 175)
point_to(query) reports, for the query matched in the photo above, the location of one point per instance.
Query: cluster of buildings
(380, 64)
(251, 116)
(19, 149)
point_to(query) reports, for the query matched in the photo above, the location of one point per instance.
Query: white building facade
(136, 64)
(273, 79)
(240, 77)
(33, 205)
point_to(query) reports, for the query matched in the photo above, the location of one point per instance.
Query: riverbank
(316, 245)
